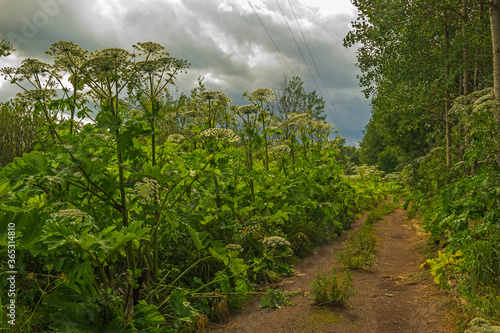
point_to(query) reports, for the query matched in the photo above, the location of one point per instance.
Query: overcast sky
(222, 39)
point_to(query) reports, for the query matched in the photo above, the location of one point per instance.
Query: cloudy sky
(222, 39)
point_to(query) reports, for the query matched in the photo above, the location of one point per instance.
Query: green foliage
(370, 186)
(274, 299)
(445, 266)
(332, 289)
(387, 161)
(291, 96)
(159, 213)
(435, 118)
(378, 213)
(18, 131)
(359, 248)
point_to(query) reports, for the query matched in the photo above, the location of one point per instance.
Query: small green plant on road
(331, 289)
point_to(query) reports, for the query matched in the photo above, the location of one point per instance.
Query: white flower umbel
(146, 190)
(279, 246)
(281, 149)
(263, 95)
(68, 215)
(234, 247)
(275, 241)
(223, 134)
(178, 138)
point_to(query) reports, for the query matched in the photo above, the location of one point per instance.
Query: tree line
(431, 70)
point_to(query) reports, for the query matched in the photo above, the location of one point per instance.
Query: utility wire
(277, 48)
(295, 40)
(303, 58)
(310, 53)
(319, 73)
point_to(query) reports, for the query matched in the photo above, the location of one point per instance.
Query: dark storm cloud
(223, 40)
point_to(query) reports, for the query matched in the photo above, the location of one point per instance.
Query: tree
(291, 96)
(18, 131)
(413, 57)
(495, 37)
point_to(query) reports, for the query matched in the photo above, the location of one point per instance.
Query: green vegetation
(134, 211)
(434, 85)
(331, 289)
(274, 299)
(378, 213)
(359, 248)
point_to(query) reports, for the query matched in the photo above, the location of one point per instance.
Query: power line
(310, 53)
(303, 58)
(277, 48)
(317, 70)
(295, 40)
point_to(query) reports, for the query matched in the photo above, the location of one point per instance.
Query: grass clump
(358, 252)
(378, 213)
(331, 290)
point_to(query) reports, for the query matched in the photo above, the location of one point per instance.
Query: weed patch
(274, 299)
(358, 252)
(331, 289)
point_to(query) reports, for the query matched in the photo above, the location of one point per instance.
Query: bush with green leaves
(460, 206)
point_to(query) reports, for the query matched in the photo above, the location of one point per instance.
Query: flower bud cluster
(273, 241)
(68, 215)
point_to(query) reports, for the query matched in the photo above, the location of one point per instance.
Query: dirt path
(391, 297)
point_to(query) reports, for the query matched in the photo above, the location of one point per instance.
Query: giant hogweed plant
(127, 218)
(92, 169)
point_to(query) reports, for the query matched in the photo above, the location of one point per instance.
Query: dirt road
(393, 296)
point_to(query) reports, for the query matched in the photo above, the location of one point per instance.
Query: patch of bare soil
(392, 296)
